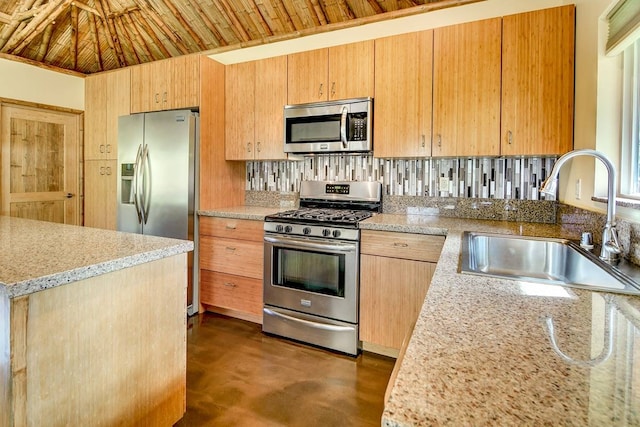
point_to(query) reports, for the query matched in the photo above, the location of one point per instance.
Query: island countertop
(38, 255)
(486, 351)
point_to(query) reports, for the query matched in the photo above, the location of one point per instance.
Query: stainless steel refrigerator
(157, 179)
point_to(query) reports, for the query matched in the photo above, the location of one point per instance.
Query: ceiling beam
(150, 33)
(74, 37)
(176, 13)
(149, 12)
(44, 44)
(95, 40)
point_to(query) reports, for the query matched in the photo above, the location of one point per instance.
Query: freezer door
(169, 173)
(130, 145)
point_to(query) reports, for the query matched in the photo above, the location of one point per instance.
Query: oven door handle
(300, 244)
(324, 326)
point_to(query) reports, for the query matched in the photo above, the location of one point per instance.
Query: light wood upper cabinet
(466, 89)
(100, 208)
(338, 72)
(307, 76)
(351, 70)
(255, 94)
(403, 95)
(538, 82)
(107, 96)
(166, 85)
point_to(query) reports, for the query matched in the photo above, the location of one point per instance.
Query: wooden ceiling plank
(95, 39)
(210, 25)
(263, 23)
(347, 12)
(285, 16)
(124, 35)
(108, 36)
(44, 44)
(74, 37)
(136, 35)
(319, 15)
(151, 33)
(148, 11)
(375, 6)
(36, 26)
(185, 24)
(232, 19)
(87, 8)
(112, 35)
(13, 26)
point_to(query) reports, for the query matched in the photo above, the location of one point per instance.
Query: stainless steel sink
(544, 260)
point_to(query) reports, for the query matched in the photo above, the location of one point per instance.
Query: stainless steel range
(312, 262)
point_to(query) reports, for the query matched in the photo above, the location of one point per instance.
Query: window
(630, 161)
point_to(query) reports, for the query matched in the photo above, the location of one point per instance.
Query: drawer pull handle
(230, 285)
(230, 227)
(400, 245)
(229, 248)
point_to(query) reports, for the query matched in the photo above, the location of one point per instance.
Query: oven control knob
(306, 230)
(288, 229)
(336, 233)
(279, 228)
(326, 232)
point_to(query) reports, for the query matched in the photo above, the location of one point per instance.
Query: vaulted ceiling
(89, 36)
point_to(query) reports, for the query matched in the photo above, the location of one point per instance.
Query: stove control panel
(325, 232)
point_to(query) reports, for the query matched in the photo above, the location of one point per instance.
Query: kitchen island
(93, 328)
(482, 353)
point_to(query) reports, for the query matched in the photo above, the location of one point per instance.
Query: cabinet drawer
(419, 247)
(231, 228)
(231, 292)
(232, 256)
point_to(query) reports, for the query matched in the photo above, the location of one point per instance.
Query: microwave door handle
(290, 243)
(343, 127)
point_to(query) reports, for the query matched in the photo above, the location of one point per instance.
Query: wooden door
(538, 82)
(270, 99)
(466, 89)
(40, 164)
(307, 76)
(403, 95)
(239, 111)
(351, 70)
(100, 204)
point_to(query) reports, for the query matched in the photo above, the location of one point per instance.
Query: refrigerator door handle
(146, 184)
(136, 183)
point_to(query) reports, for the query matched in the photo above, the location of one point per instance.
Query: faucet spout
(611, 249)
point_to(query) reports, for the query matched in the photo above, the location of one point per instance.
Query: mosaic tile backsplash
(482, 178)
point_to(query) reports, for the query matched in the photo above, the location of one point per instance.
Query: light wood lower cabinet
(231, 267)
(395, 274)
(100, 207)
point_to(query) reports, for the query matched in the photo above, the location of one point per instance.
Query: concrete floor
(238, 376)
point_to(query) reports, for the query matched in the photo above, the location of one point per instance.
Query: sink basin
(543, 260)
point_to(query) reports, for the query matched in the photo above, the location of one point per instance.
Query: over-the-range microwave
(329, 127)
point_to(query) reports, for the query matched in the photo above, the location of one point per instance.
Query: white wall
(26, 82)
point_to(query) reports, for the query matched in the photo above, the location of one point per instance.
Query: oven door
(313, 276)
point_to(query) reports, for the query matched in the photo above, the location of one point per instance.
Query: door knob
(68, 195)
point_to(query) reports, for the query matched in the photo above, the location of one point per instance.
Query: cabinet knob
(102, 171)
(102, 148)
(333, 88)
(320, 90)
(439, 140)
(258, 146)
(230, 285)
(248, 147)
(510, 137)
(68, 195)
(108, 170)
(157, 98)
(231, 249)
(108, 148)
(230, 227)
(400, 245)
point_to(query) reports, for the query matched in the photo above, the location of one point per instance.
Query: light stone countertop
(242, 212)
(37, 255)
(481, 355)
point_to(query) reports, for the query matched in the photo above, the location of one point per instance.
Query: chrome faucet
(611, 249)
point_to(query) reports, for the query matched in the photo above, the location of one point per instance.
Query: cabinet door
(231, 292)
(95, 135)
(403, 95)
(466, 89)
(231, 256)
(270, 99)
(100, 194)
(391, 295)
(142, 84)
(351, 70)
(118, 104)
(239, 111)
(307, 76)
(537, 82)
(185, 81)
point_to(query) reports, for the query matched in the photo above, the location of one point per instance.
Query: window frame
(630, 129)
